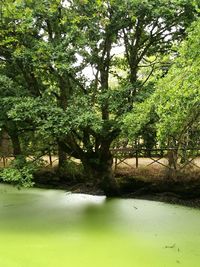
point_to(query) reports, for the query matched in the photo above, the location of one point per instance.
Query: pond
(53, 228)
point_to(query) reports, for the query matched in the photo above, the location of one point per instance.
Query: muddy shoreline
(181, 193)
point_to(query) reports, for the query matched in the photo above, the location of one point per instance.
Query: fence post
(4, 161)
(115, 160)
(50, 159)
(136, 158)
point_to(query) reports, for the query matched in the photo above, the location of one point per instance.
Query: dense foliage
(174, 105)
(178, 94)
(63, 81)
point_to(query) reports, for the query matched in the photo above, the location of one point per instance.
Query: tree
(6, 124)
(51, 44)
(178, 93)
(175, 103)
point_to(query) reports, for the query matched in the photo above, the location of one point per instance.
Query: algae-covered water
(52, 228)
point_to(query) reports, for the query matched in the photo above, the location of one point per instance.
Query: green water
(49, 228)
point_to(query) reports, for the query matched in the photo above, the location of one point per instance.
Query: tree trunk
(16, 144)
(173, 158)
(98, 168)
(62, 157)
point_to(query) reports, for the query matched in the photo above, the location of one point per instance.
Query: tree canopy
(175, 103)
(58, 59)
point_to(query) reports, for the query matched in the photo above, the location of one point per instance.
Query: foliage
(178, 94)
(20, 172)
(57, 59)
(135, 121)
(174, 107)
(73, 170)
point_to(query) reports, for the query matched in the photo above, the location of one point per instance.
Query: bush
(72, 170)
(20, 172)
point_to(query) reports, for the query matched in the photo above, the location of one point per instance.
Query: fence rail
(171, 158)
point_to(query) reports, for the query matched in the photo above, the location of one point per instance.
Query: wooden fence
(170, 158)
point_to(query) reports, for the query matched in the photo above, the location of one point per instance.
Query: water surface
(52, 228)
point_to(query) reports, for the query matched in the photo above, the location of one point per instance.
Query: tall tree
(178, 94)
(173, 109)
(54, 44)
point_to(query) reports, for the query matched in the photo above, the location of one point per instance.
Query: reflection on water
(54, 228)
